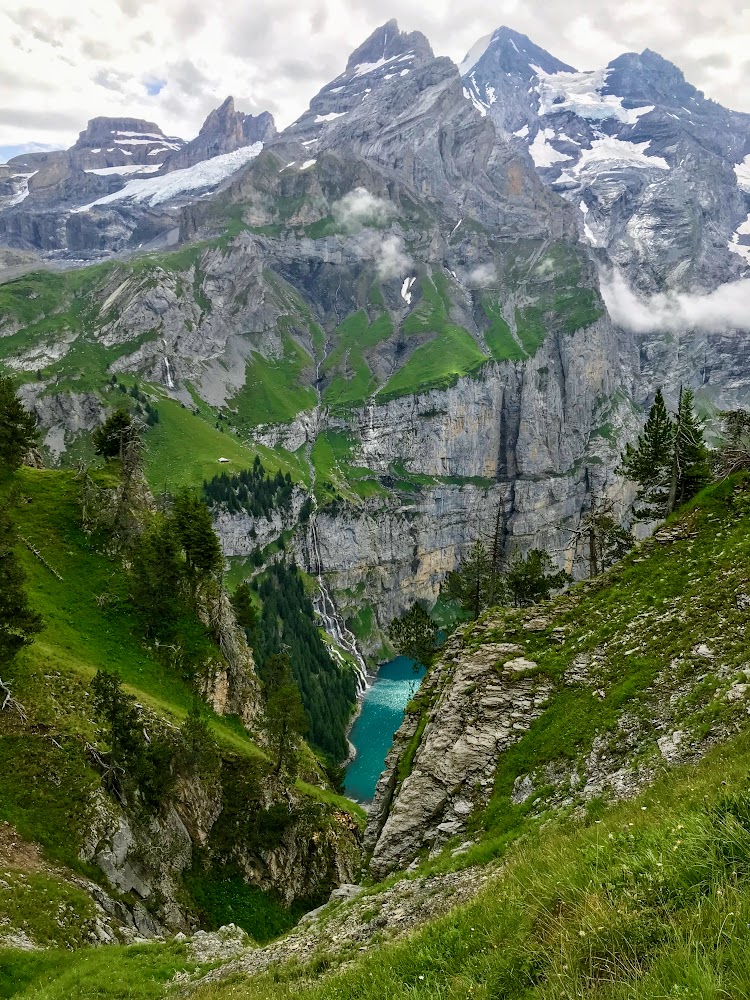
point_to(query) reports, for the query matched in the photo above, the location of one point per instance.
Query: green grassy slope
(46, 775)
(647, 899)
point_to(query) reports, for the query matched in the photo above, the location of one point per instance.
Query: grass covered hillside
(58, 812)
(567, 893)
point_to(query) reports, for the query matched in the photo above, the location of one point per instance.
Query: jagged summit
(224, 130)
(514, 53)
(386, 56)
(649, 77)
(387, 43)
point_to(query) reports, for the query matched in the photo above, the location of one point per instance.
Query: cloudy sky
(171, 61)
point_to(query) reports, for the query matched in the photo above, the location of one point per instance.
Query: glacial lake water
(382, 713)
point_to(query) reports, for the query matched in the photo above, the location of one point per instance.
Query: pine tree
(690, 469)
(733, 452)
(533, 577)
(156, 572)
(414, 635)
(605, 539)
(17, 427)
(110, 440)
(196, 534)
(287, 721)
(245, 612)
(473, 582)
(650, 463)
(18, 623)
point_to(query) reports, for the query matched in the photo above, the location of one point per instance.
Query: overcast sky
(171, 61)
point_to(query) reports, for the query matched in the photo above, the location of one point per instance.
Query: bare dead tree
(602, 535)
(11, 704)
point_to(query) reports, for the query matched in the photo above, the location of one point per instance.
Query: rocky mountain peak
(388, 43)
(224, 130)
(509, 51)
(115, 131)
(649, 77)
(227, 121)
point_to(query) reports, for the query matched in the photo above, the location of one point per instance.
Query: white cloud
(276, 55)
(360, 208)
(387, 252)
(726, 308)
(482, 276)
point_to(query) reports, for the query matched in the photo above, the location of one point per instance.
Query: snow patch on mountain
(743, 249)
(542, 153)
(203, 176)
(611, 154)
(129, 168)
(319, 119)
(147, 142)
(475, 53)
(23, 192)
(742, 170)
(587, 232)
(581, 94)
(471, 96)
(364, 69)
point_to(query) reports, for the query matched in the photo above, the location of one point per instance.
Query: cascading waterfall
(332, 623)
(167, 367)
(323, 604)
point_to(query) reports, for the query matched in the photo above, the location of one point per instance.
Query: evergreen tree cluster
(251, 491)
(18, 434)
(143, 407)
(18, 621)
(482, 581)
(170, 559)
(286, 625)
(142, 765)
(669, 462)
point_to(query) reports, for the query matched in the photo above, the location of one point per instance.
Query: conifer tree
(111, 439)
(17, 427)
(157, 569)
(414, 635)
(473, 582)
(245, 612)
(196, 534)
(18, 622)
(287, 721)
(690, 469)
(733, 452)
(650, 463)
(533, 577)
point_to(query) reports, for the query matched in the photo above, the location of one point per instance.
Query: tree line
(285, 626)
(251, 491)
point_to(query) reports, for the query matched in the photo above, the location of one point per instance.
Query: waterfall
(326, 611)
(167, 367)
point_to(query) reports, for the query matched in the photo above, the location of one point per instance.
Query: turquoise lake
(372, 733)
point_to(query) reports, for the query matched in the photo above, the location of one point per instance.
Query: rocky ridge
(655, 170)
(602, 699)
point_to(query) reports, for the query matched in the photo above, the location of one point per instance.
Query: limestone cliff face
(484, 701)
(146, 857)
